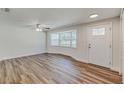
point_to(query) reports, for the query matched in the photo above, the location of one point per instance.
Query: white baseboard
(23, 55)
(116, 69)
(76, 58)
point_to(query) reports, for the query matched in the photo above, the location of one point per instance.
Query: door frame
(111, 45)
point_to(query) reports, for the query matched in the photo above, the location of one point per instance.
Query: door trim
(110, 51)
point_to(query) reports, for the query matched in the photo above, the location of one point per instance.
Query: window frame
(59, 41)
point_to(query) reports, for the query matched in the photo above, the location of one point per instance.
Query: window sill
(65, 47)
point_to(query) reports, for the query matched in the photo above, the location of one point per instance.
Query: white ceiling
(57, 17)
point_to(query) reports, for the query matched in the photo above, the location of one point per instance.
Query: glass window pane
(55, 42)
(54, 39)
(61, 34)
(73, 43)
(68, 35)
(99, 31)
(65, 35)
(55, 36)
(74, 35)
(65, 43)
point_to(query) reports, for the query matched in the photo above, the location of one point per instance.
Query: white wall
(122, 26)
(17, 41)
(81, 52)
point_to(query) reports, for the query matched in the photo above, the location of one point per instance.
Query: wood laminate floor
(54, 68)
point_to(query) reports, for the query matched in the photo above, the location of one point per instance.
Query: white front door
(99, 45)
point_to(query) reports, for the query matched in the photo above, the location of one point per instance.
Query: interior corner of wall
(116, 69)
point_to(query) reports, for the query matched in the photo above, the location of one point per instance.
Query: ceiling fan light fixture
(39, 29)
(93, 16)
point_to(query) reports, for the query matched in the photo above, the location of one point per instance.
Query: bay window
(64, 39)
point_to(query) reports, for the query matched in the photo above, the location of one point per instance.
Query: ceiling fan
(38, 27)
